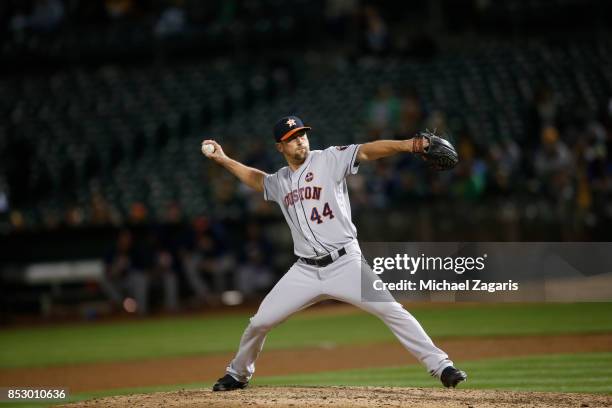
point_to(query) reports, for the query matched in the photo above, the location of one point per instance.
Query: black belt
(326, 260)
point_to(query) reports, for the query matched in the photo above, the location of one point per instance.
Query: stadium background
(104, 105)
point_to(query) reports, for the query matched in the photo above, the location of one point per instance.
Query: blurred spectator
(100, 211)
(4, 199)
(555, 170)
(74, 216)
(471, 172)
(254, 273)
(546, 106)
(376, 31)
(260, 156)
(173, 232)
(46, 15)
(228, 203)
(505, 161)
(126, 273)
(138, 213)
(553, 156)
(131, 269)
(542, 113)
(411, 114)
(383, 112)
(163, 274)
(359, 195)
(172, 20)
(380, 185)
(206, 261)
(593, 151)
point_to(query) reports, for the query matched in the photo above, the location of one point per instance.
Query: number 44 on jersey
(327, 212)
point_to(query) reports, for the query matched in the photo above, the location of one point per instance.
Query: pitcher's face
(295, 148)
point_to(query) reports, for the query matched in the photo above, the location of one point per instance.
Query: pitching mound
(350, 397)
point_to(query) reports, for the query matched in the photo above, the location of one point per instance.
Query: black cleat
(229, 383)
(451, 377)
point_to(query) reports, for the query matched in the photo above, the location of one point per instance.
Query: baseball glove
(439, 154)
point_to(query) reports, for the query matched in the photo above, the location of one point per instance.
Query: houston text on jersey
(303, 193)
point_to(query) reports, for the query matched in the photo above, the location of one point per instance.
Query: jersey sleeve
(271, 187)
(341, 160)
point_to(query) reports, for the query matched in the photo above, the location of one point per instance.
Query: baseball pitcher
(311, 192)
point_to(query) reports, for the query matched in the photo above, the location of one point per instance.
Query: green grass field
(155, 338)
(581, 372)
(94, 342)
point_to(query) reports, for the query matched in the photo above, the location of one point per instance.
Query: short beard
(300, 157)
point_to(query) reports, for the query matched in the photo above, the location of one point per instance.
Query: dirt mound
(350, 397)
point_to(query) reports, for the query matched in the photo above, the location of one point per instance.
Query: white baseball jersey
(314, 200)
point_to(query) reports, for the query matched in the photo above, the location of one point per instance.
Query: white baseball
(208, 148)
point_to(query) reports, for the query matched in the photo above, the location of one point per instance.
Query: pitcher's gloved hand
(439, 153)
